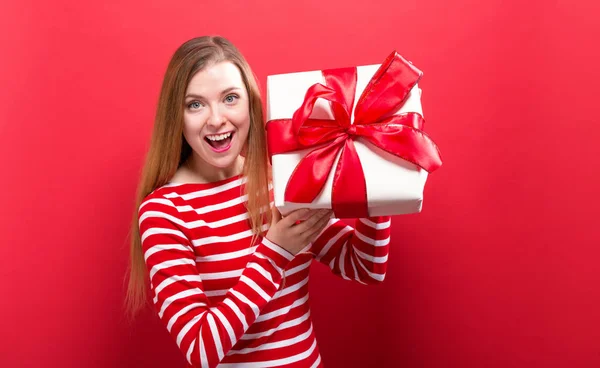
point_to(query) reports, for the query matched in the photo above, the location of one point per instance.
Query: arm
(203, 332)
(359, 254)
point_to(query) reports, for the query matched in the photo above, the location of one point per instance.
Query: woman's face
(216, 114)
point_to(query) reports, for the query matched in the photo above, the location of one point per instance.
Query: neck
(202, 172)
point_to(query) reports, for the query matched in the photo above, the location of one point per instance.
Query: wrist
(289, 255)
(278, 256)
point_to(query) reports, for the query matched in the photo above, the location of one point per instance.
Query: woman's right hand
(298, 228)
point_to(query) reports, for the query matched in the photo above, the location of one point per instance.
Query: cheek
(192, 124)
(241, 115)
(243, 127)
(191, 132)
(187, 132)
(241, 119)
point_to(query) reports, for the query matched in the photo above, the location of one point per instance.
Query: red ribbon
(400, 135)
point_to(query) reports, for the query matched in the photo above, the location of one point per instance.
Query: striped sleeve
(359, 253)
(203, 332)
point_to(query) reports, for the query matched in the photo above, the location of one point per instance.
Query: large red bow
(400, 135)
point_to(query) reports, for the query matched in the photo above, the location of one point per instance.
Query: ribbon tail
(349, 197)
(311, 173)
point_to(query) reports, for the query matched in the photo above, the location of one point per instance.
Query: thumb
(275, 215)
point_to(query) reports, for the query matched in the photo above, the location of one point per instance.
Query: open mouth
(219, 142)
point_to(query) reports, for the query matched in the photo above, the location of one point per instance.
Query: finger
(294, 216)
(319, 227)
(309, 225)
(314, 234)
(275, 215)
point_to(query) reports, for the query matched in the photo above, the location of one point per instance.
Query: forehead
(215, 78)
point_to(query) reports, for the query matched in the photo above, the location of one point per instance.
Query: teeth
(218, 137)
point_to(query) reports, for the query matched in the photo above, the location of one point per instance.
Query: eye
(231, 98)
(194, 105)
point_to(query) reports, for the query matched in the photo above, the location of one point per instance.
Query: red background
(499, 270)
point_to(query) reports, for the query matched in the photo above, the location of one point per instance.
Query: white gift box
(394, 186)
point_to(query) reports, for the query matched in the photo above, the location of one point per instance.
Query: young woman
(229, 276)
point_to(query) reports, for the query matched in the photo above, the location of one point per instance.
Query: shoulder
(160, 222)
(158, 201)
(159, 214)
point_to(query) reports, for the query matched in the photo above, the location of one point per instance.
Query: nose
(216, 117)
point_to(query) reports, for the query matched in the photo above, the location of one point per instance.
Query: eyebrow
(227, 90)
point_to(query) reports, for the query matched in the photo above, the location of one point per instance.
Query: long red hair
(169, 149)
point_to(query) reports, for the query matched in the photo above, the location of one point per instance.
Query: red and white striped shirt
(221, 298)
